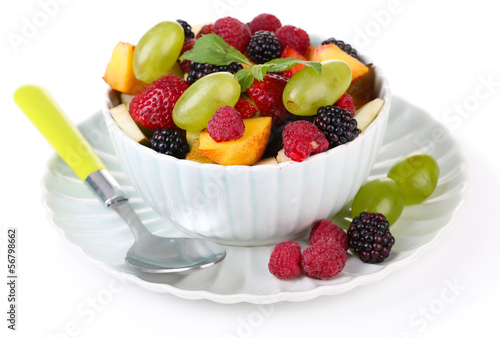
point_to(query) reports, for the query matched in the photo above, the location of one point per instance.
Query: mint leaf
(245, 78)
(280, 65)
(259, 71)
(212, 49)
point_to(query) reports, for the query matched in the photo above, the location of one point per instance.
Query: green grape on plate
(382, 196)
(417, 175)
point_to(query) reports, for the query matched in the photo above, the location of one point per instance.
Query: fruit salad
(235, 93)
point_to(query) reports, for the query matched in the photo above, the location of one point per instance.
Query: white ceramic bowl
(251, 205)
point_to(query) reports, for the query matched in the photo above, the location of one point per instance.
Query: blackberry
(188, 34)
(170, 142)
(338, 125)
(263, 46)
(199, 70)
(370, 238)
(342, 45)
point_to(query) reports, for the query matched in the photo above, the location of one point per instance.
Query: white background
(436, 55)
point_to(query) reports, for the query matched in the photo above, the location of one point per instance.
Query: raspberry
(323, 260)
(234, 32)
(188, 33)
(226, 124)
(152, 107)
(188, 45)
(170, 142)
(285, 260)
(346, 102)
(263, 46)
(264, 22)
(301, 139)
(370, 238)
(342, 45)
(294, 37)
(338, 125)
(206, 29)
(328, 230)
(245, 108)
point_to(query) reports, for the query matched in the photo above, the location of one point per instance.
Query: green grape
(307, 90)
(417, 175)
(382, 196)
(200, 101)
(158, 51)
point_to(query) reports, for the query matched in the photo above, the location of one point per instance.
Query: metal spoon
(149, 253)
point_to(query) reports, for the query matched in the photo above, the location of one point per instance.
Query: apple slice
(366, 114)
(126, 98)
(246, 150)
(281, 157)
(123, 119)
(191, 136)
(267, 160)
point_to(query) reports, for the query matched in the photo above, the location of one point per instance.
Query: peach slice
(332, 51)
(119, 73)
(246, 150)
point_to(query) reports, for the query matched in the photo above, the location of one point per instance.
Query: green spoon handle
(40, 107)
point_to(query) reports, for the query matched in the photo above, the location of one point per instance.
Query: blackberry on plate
(188, 33)
(370, 238)
(342, 45)
(199, 70)
(263, 46)
(338, 125)
(170, 142)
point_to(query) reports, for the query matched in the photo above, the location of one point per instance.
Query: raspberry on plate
(301, 139)
(152, 107)
(294, 37)
(226, 124)
(323, 260)
(285, 259)
(264, 22)
(328, 230)
(234, 32)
